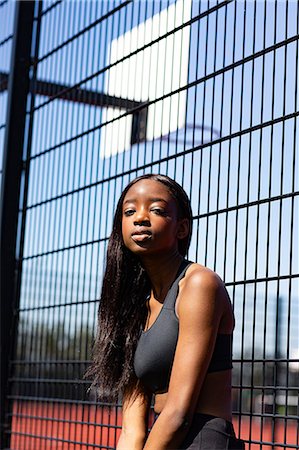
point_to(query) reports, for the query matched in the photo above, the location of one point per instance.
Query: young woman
(165, 327)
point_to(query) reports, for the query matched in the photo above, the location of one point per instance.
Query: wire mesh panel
(207, 93)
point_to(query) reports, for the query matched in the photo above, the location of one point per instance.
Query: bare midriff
(214, 397)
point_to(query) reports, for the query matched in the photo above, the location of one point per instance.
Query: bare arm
(199, 313)
(134, 422)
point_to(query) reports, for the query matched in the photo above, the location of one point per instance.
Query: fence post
(18, 88)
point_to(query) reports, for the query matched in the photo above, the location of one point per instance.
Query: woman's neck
(161, 272)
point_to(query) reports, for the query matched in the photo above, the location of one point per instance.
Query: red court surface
(55, 426)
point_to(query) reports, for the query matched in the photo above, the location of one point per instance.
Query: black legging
(211, 433)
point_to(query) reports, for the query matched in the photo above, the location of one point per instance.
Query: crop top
(155, 349)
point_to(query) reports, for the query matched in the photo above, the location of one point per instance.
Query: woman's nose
(141, 216)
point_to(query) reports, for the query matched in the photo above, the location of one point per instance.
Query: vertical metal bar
(229, 187)
(202, 160)
(261, 141)
(69, 15)
(28, 143)
(248, 227)
(57, 24)
(98, 188)
(292, 228)
(210, 123)
(281, 368)
(241, 403)
(220, 149)
(274, 420)
(199, 158)
(164, 85)
(76, 52)
(13, 171)
(188, 96)
(91, 209)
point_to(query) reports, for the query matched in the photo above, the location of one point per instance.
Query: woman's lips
(141, 236)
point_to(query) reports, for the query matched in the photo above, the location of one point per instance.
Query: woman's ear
(183, 228)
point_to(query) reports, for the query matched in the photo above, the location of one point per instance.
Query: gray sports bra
(156, 346)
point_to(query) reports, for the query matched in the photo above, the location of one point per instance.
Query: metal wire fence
(205, 92)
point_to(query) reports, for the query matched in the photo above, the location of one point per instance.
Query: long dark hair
(122, 310)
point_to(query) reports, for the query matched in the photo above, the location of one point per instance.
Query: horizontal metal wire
(262, 360)
(43, 437)
(81, 32)
(235, 413)
(53, 361)
(268, 416)
(7, 39)
(36, 308)
(29, 398)
(3, 84)
(48, 380)
(271, 443)
(247, 205)
(39, 380)
(265, 387)
(71, 247)
(87, 362)
(65, 421)
(262, 279)
(49, 8)
(68, 421)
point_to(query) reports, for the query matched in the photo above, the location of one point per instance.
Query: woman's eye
(159, 211)
(129, 212)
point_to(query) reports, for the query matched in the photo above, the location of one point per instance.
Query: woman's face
(150, 219)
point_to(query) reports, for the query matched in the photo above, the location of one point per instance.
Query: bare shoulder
(201, 290)
(199, 277)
